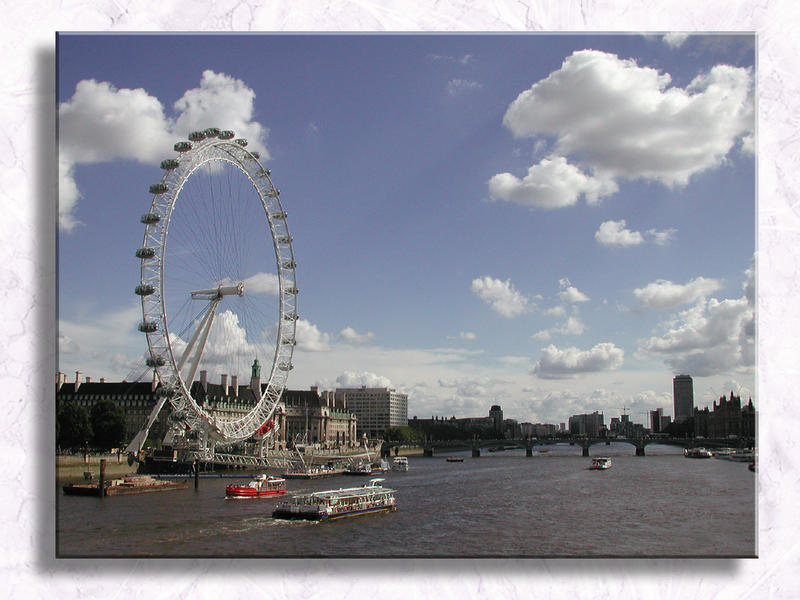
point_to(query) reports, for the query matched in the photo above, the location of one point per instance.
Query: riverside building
(682, 397)
(377, 409)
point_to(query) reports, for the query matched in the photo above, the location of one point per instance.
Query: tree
(73, 429)
(108, 424)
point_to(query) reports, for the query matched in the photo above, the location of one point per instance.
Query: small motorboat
(260, 486)
(601, 463)
(454, 459)
(400, 463)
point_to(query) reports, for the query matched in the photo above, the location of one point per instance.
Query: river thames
(501, 504)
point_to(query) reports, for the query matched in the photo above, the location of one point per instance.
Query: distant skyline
(554, 223)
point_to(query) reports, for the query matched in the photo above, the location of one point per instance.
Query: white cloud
(663, 237)
(712, 337)
(553, 183)
(620, 120)
(674, 40)
(310, 338)
(614, 233)
(348, 334)
(467, 335)
(572, 326)
(569, 293)
(501, 296)
(664, 294)
(101, 123)
(351, 379)
(460, 86)
(572, 362)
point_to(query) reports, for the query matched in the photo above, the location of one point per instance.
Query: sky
(554, 223)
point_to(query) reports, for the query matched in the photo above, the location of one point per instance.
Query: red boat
(259, 486)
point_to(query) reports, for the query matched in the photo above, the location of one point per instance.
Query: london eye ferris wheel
(217, 288)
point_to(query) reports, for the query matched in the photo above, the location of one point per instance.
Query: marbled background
(28, 568)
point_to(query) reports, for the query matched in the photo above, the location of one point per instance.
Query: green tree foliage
(73, 428)
(108, 424)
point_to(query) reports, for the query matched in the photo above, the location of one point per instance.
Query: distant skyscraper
(683, 397)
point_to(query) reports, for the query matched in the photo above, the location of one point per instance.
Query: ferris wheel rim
(204, 148)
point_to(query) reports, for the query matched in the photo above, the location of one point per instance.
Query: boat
(400, 463)
(259, 487)
(128, 485)
(745, 455)
(601, 463)
(698, 453)
(303, 471)
(454, 459)
(336, 504)
(368, 468)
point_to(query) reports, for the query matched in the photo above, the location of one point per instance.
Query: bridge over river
(585, 443)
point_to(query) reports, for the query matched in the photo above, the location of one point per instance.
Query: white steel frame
(212, 145)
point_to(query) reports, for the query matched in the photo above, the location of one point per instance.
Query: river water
(501, 504)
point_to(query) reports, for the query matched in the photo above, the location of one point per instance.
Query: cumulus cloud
(348, 334)
(552, 183)
(664, 294)
(572, 362)
(351, 379)
(101, 123)
(310, 338)
(504, 299)
(712, 337)
(620, 120)
(615, 233)
(467, 335)
(569, 293)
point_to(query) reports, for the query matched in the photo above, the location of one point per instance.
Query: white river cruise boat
(336, 504)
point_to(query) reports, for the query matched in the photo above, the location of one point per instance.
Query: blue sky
(554, 223)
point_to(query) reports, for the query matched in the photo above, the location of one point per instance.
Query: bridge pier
(427, 449)
(528, 447)
(639, 450)
(585, 451)
(476, 452)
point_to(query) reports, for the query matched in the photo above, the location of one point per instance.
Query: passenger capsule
(197, 136)
(273, 193)
(226, 135)
(158, 188)
(289, 342)
(255, 154)
(241, 141)
(285, 366)
(290, 317)
(284, 239)
(291, 290)
(148, 326)
(182, 147)
(145, 253)
(150, 218)
(278, 215)
(144, 289)
(211, 132)
(169, 164)
(155, 362)
(289, 264)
